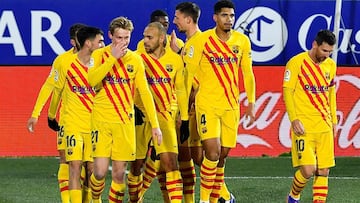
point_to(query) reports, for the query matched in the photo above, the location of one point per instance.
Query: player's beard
(150, 50)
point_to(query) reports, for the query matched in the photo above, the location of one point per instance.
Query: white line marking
(283, 177)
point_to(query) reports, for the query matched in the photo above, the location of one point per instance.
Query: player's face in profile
(225, 19)
(322, 51)
(98, 42)
(180, 20)
(120, 36)
(151, 39)
(164, 20)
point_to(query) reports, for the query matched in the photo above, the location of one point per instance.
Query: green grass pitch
(251, 180)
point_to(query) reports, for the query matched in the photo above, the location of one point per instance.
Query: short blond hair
(121, 22)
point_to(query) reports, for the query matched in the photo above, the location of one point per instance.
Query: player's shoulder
(297, 59)
(65, 55)
(101, 50)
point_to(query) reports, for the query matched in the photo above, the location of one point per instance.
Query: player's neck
(223, 35)
(84, 57)
(158, 53)
(192, 31)
(312, 57)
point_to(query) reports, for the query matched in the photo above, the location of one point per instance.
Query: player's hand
(184, 131)
(31, 124)
(138, 116)
(118, 50)
(250, 114)
(173, 44)
(53, 124)
(157, 136)
(297, 127)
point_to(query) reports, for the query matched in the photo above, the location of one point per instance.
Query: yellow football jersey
(165, 76)
(218, 70)
(71, 81)
(48, 86)
(312, 85)
(116, 79)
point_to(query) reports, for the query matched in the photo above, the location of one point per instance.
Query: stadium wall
(268, 136)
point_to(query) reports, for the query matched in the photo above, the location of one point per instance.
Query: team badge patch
(191, 52)
(130, 68)
(69, 151)
(327, 75)
(204, 130)
(169, 68)
(287, 75)
(235, 49)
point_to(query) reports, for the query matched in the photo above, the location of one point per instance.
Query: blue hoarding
(35, 32)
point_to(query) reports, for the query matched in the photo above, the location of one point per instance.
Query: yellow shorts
(61, 144)
(169, 141)
(313, 149)
(78, 145)
(113, 140)
(218, 123)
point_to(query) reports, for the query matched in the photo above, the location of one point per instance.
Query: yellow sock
(86, 194)
(134, 186)
(150, 170)
(298, 184)
(188, 175)
(97, 187)
(174, 186)
(63, 180)
(162, 181)
(75, 196)
(219, 180)
(224, 192)
(320, 189)
(116, 192)
(207, 178)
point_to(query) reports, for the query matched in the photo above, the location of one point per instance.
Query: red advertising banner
(268, 136)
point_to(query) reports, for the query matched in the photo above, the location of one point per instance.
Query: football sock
(298, 184)
(75, 196)
(86, 194)
(207, 178)
(320, 189)
(150, 169)
(134, 186)
(97, 187)
(116, 192)
(174, 186)
(63, 180)
(224, 192)
(219, 179)
(162, 181)
(188, 175)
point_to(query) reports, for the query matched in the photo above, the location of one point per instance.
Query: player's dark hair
(74, 28)
(189, 9)
(223, 4)
(155, 15)
(325, 36)
(86, 33)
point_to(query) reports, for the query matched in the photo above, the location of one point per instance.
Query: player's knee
(322, 172)
(198, 159)
(307, 171)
